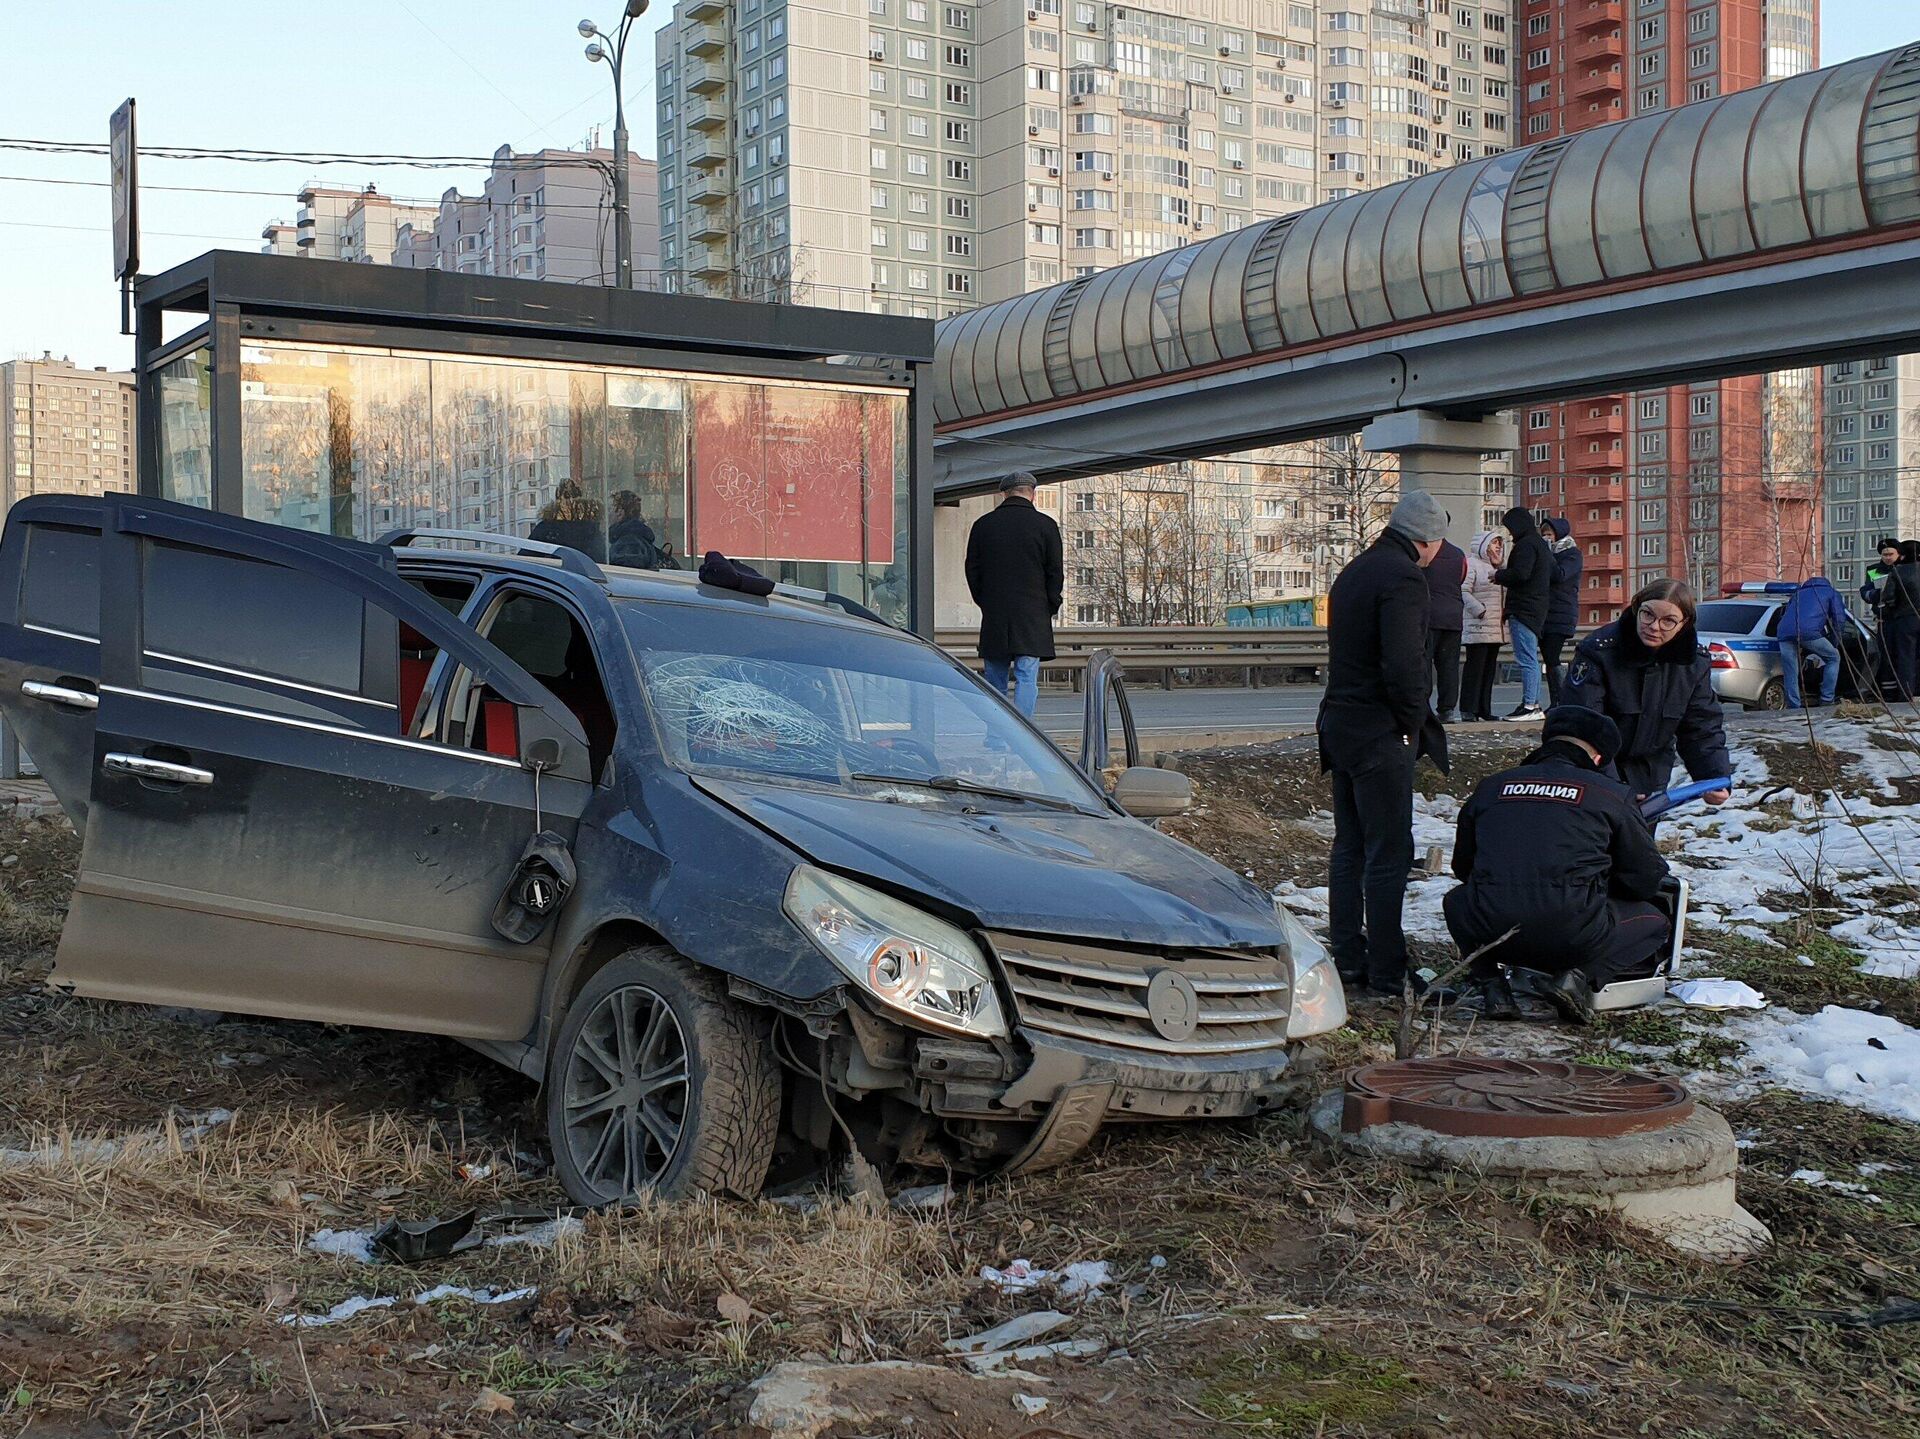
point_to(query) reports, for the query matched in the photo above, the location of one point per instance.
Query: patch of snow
(361, 1303)
(540, 1236)
(354, 1244)
(67, 1150)
(1085, 1277)
(1817, 1179)
(357, 1244)
(1833, 1054)
(1889, 943)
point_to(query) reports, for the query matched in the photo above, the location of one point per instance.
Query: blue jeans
(1026, 680)
(1792, 653)
(1526, 654)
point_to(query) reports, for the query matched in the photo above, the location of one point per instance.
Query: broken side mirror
(1149, 793)
(542, 745)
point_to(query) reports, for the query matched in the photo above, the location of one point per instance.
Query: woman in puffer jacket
(1486, 627)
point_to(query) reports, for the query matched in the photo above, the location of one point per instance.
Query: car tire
(688, 1103)
(1773, 696)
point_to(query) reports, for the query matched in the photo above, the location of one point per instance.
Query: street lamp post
(613, 50)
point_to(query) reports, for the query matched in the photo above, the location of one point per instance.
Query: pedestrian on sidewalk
(1374, 724)
(1528, 579)
(1900, 619)
(1486, 626)
(1811, 623)
(1876, 593)
(1016, 573)
(1647, 673)
(1446, 616)
(1563, 601)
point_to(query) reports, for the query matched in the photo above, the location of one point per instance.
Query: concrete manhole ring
(1512, 1098)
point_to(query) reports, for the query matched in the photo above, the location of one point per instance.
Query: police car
(1740, 634)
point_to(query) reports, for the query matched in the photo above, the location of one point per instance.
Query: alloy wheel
(626, 1091)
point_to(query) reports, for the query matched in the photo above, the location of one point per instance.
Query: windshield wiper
(953, 784)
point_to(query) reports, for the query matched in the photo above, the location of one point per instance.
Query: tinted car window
(740, 692)
(246, 615)
(61, 590)
(1725, 617)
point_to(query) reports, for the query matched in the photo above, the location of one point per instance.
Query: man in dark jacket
(1563, 601)
(1446, 617)
(1528, 578)
(1374, 724)
(1812, 622)
(1016, 574)
(1558, 852)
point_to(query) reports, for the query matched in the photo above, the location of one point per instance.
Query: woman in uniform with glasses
(1647, 673)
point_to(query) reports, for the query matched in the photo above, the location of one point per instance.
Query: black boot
(1572, 994)
(1496, 998)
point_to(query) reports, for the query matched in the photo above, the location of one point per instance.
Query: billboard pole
(124, 161)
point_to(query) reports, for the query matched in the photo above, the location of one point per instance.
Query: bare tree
(1156, 547)
(1349, 493)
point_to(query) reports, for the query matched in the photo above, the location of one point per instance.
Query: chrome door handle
(140, 767)
(60, 695)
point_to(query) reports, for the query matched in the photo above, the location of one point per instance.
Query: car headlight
(909, 960)
(1319, 999)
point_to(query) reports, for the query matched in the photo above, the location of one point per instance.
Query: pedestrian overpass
(1772, 228)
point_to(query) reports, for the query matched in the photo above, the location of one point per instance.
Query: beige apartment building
(335, 223)
(68, 430)
(923, 157)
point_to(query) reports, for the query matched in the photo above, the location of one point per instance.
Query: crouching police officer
(1558, 851)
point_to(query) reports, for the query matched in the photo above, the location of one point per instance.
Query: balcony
(706, 37)
(706, 77)
(706, 154)
(1602, 529)
(1608, 421)
(705, 115)
(1599, 84)
(1595, 15)
(708, 9)
(712, 188)
(707, 262)
(708, 222)
(1606, 47)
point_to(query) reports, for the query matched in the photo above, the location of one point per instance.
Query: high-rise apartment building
(923, 157)
(545, 215)
(68, 430)
(1711, 482)
(1871, 465)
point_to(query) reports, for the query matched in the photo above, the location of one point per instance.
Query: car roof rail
(838, 601)
(573, 561)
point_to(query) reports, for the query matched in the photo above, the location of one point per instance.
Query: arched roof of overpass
(1826, 157)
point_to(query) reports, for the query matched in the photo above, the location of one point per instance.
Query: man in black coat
(1374, 724)
(1016, 574)
(1446, 618)
(1528, 578)
(1563, 601)
(1558, 851)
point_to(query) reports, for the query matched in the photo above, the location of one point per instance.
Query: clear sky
(396, 76)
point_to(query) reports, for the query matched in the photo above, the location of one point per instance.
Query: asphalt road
(1158, 712)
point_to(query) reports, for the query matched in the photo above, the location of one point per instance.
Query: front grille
(1099, 993)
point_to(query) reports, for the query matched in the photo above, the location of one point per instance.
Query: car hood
(1022, 868)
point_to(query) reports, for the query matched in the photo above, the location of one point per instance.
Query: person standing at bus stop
(1016, 573)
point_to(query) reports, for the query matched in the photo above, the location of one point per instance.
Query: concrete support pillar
(1442, 457)
(953, 607)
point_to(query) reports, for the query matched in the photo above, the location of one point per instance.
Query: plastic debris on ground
(924, 1196)
(1023, 1330)
(1077, 1280)
(360, 1303)
(1034, 1353)
(359, 1245)
(1817, 1179)
(1029, 1404)
(1718, 994)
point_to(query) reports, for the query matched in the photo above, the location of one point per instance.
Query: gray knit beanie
(1420, 517)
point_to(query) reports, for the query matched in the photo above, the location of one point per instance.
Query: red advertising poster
(778, 473)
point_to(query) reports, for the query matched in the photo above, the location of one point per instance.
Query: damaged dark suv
(722, 872)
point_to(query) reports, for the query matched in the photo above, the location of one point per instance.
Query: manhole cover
(1512, 1098)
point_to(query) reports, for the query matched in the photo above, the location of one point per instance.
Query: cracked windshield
(747, 695)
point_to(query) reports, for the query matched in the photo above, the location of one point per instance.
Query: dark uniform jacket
(1662, 700)
(1446, 606)
(1544, 847)
(1377, 660)
(1017, 576)
(1528, 576)
(1563, 600)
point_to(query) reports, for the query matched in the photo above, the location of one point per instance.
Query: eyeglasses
(1661, 622)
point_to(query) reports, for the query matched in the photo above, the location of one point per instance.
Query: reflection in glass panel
(186, 435)
(1481, 225)
(637, 468)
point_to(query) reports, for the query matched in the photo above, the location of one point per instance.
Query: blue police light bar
(1760, 587)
